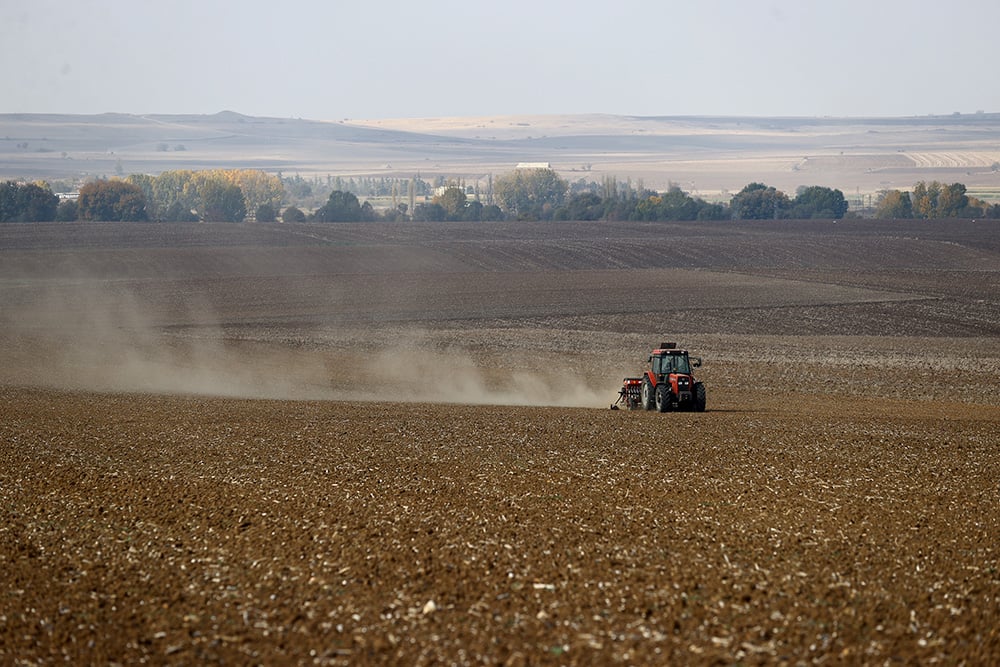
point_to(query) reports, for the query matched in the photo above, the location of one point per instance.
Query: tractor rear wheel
(699, 397)
(664, 398)
(647, 396)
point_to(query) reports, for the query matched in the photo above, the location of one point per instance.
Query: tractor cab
(667, 362)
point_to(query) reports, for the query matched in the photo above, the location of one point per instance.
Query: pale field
(709, 156)
(716, 157)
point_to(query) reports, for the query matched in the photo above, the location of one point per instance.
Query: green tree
(179, 212)
(713, 211)
(175, 187)
(473, 211)
(27, 202)
(952, 201)
(396, 214)
(368, 213)
(453, 201)
(145, 183)
(222, 202)
(293, 214)
(111, 201)
(759, 202)
(582, 206)
(530, 194)
(818, 202)
(937, 200)
(66, 212)
(925, 199)
(491, 212)
(339, 207)
(650, 208)
(893, 205)
(674, 204)
(258, 188)
(429, 213)
(679, 205)
(265, 213)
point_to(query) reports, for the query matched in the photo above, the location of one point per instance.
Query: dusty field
(355, 445)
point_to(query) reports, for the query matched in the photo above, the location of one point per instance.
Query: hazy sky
(406, 58)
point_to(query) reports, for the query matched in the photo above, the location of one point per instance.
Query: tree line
(234, 195)
(218, 195)
(931, 201)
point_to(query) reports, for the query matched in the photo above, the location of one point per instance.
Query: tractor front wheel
(699, 397)
(647, 396)
(664, 398)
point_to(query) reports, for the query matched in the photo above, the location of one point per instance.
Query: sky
(331, 60)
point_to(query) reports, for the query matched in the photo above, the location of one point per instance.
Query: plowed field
(362, 444)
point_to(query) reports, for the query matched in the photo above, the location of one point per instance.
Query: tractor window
(681, 364)
(660, 365)
(671, 363)
(664, 365)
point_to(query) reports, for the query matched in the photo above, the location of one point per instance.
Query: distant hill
(704, 155)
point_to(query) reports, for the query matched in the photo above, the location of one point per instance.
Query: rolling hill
(708, 156)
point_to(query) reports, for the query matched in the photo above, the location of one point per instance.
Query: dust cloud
(93, 336)
(426, 375)
(88, 336)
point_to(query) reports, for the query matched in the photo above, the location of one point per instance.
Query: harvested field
(351, 444)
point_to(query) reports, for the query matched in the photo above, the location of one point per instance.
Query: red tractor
(668, 383)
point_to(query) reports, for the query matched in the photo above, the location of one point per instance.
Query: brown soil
(353, 445)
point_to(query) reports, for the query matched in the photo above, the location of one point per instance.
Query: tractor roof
(668, 348)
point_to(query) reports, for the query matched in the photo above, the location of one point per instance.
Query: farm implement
(667, 384)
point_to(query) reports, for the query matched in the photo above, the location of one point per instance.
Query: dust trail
(92, 335)
(425, 375)
(87, 336)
